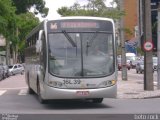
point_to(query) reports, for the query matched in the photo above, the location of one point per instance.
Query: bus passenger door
(40, 49)
(43, 58)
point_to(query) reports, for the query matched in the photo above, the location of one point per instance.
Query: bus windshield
(83, 54)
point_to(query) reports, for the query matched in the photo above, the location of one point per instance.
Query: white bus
(72, 58)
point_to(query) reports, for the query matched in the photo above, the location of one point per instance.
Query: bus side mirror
(39, 42)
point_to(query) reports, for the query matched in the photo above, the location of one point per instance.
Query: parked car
(140, 67)
(155, 62)
(16, 69)
(120, 65)
(1, 72)
(131, 58)
(6, 71)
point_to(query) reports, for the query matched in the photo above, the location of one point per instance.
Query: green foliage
(8, 23)
(115, 13)
(7, 17)
(128, 31)
(15, 24)
(140, 51)
(24, 5)
(25, 23)
(64, 11)
(95, 8)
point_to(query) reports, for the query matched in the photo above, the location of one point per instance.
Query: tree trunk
(8, 52)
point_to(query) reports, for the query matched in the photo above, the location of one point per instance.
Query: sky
(53, 6)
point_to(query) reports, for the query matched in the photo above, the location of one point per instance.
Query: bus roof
(82, 17)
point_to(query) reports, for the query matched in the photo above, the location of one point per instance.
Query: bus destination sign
(79, 25)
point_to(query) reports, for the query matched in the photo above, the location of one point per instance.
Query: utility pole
(123, 60)
(158, 48)
(140, 23)
(148, 63)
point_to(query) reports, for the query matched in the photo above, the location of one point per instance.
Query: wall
(131, 17)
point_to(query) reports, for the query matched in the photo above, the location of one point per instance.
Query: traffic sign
(148, 46)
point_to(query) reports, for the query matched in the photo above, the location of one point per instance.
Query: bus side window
(36, 38)
(27, 42)
(43, 52)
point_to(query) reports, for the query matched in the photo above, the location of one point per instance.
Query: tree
(8, 24)
(24, 5)
(7, 15)
(14, 27)
(25, 23)
(92, 8)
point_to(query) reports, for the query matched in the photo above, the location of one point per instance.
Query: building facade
(131, 19)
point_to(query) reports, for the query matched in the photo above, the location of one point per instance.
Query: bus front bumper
(56, 93)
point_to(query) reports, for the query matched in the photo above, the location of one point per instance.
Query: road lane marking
(2, 92)
(23, 92)
(13, 88)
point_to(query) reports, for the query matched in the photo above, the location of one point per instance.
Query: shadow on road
(73, 104)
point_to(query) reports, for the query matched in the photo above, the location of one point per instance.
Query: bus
(72, 58)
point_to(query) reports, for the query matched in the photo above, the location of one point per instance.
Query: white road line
(13, 88)
(2, 92)
(23, 92)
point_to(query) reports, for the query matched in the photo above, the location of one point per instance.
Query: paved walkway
(134, 89)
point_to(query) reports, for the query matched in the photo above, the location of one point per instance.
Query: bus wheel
(97, 100)
(30, 91)
(39, 94)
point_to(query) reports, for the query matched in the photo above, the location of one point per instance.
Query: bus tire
(97, 100)
(41, 100)
(30, 91)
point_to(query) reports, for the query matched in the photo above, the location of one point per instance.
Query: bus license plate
(71, 82)
(82, 93)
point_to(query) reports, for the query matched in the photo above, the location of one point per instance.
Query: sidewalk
(134, 89)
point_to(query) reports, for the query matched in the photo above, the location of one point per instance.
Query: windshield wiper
(92, 39)
(89, 42)
(69, 38)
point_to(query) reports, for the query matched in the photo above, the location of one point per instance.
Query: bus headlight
(56, 84)
(108, 83)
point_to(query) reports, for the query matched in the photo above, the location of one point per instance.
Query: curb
(151, 97)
